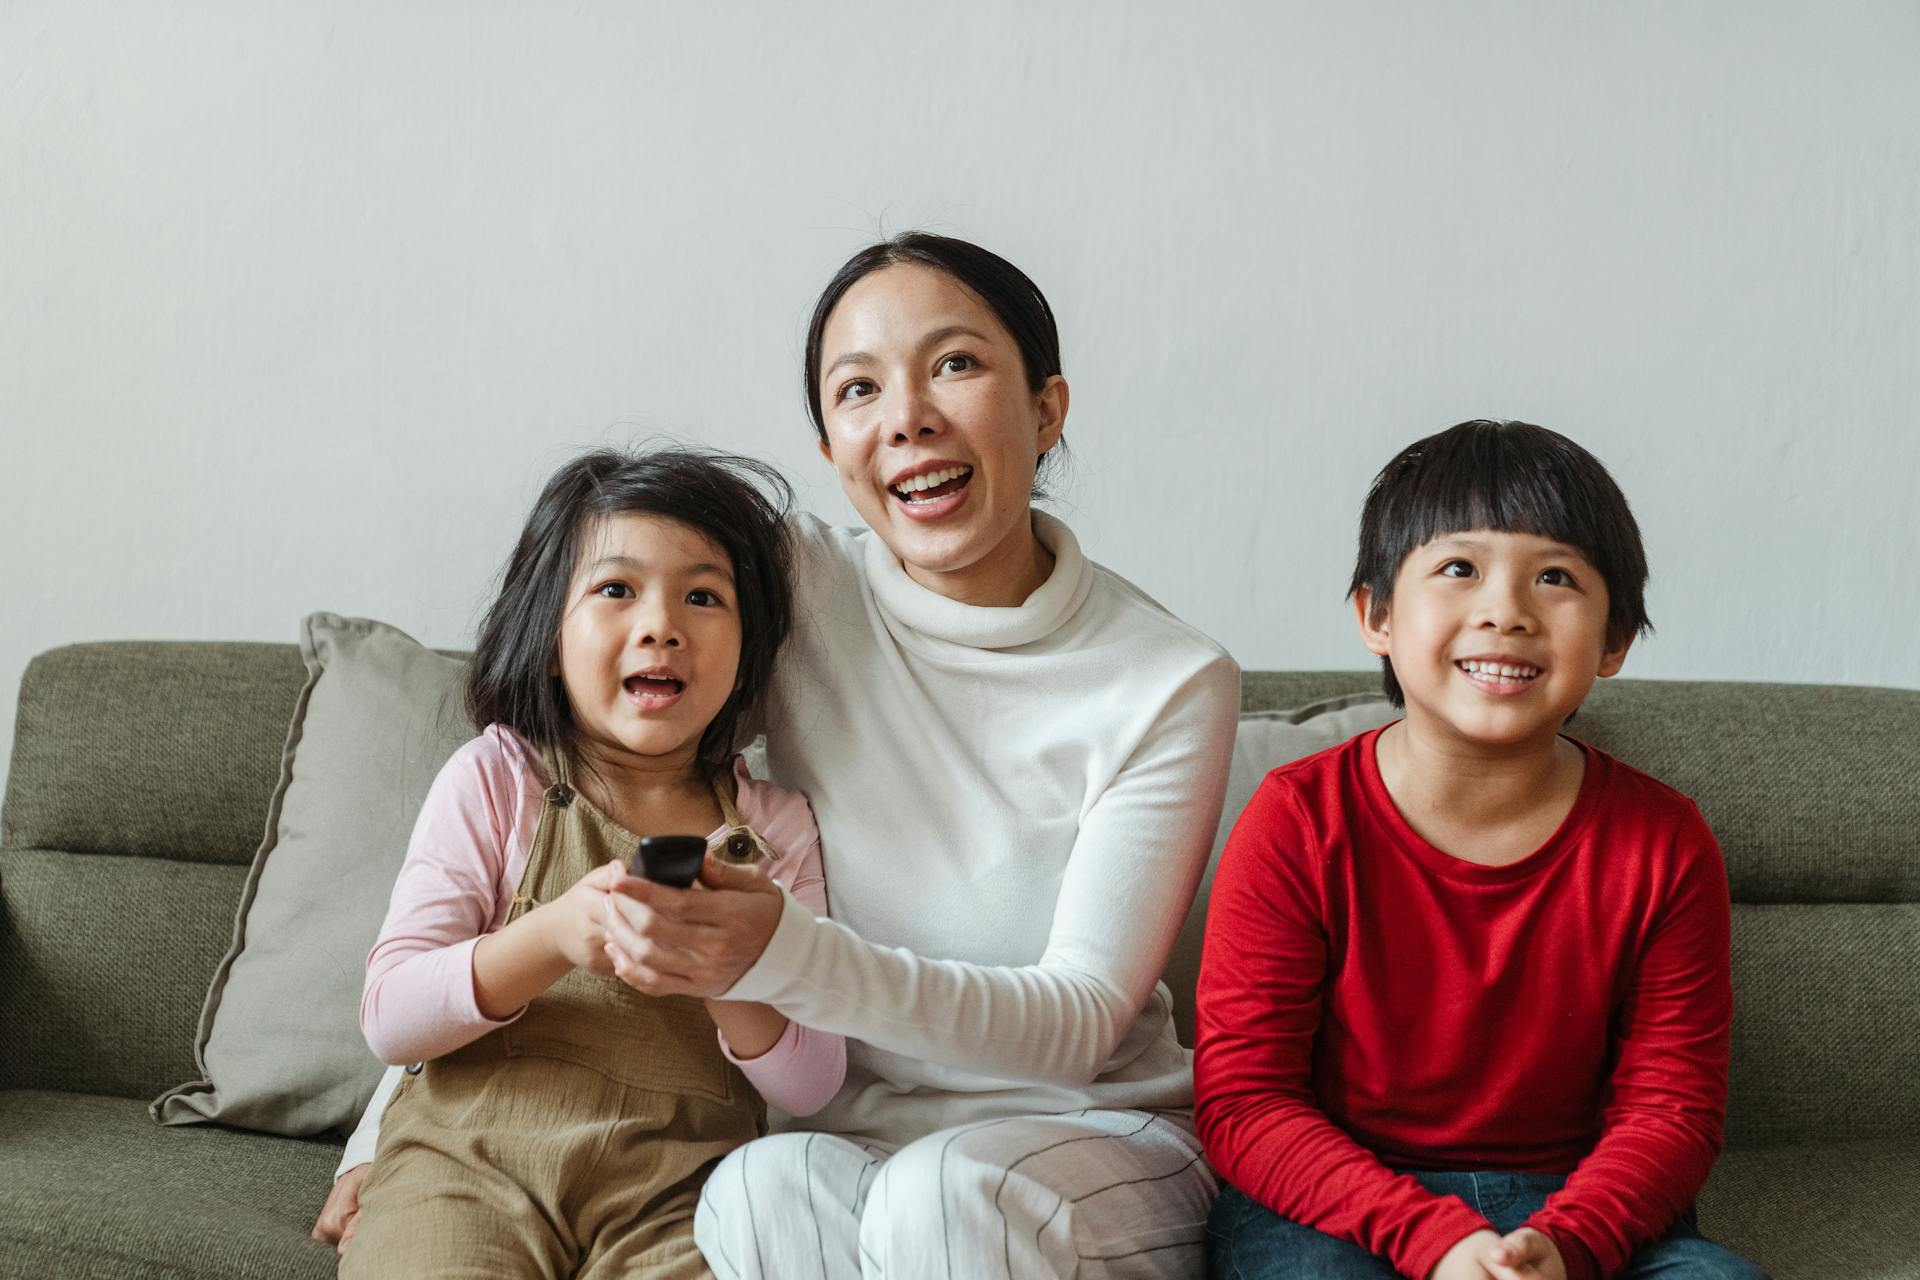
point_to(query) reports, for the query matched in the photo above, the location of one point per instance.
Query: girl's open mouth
(653, 692)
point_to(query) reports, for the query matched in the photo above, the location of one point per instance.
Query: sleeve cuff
(1574, 1255)
(366, 1134)
(1449, 1225)
(765, 980)
(776, 1053)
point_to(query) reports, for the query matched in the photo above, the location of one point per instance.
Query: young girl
(555, 1120)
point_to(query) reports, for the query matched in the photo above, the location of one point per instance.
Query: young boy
(1464, 1005)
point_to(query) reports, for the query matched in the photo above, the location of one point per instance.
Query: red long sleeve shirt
(1368, 1003)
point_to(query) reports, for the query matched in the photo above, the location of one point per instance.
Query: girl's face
(649, 647)
(934, 432)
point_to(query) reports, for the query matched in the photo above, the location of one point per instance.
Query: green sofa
(140, 781)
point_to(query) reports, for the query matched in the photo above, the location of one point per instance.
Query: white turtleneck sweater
(1015, 806)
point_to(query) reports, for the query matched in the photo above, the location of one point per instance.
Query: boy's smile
(1495, 637)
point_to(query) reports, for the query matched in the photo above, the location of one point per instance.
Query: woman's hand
(691, 942)
(340, 1215)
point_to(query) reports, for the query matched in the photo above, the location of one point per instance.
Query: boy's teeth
(1500, 670)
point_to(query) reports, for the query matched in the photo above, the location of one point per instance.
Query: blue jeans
(1247, 1241)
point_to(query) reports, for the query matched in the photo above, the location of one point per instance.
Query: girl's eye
(858, 389)
(1456, 569)
(1557, 578)
(613, 590)
(702, 597)
(958, 362)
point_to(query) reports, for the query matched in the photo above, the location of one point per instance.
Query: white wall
(300, 302)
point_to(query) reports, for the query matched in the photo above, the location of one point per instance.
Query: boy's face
(1495, 637)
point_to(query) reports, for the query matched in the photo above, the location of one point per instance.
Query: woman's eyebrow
(933, 339)
(849, 357)
(952, 331)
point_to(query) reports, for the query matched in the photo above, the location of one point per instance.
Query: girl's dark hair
(1014, 299)
(739, 503)
(1510, 476)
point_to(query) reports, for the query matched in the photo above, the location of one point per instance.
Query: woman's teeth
(1499, 672)
(924, 484)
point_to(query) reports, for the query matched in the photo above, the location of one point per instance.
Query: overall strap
(558, 796)
(560, 788)
(740, 842)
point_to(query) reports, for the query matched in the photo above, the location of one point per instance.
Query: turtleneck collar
(977, 626)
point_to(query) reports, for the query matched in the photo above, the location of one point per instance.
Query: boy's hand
(1463, 1261)
(1525, 1254)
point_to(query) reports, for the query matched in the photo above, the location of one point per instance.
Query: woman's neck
(1003, 578)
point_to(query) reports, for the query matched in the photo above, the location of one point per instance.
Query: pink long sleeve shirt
(469, 849)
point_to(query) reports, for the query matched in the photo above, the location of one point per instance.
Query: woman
(1017, 761)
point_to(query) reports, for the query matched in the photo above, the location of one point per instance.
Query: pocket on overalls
(661, 1044)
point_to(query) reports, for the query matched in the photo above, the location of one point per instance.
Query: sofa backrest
(136, 797)
(142, 773)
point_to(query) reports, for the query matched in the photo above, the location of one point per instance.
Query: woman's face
(934, 432)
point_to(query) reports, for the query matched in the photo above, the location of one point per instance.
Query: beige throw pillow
(279, 1042)
(1264, 741)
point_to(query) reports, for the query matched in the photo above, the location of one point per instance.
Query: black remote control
(673, 860)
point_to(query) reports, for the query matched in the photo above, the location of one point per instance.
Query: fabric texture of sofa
(141, 778)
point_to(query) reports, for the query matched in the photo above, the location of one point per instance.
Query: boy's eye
(1557, 578)
(958, 362)
(1456, 569)
(858, 389)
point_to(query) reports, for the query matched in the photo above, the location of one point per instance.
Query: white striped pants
(1088, 1194)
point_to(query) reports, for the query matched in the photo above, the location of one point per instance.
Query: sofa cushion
(103, 967)
(1826, 1023)
(149, 748)
(90, 1188)
(1263, 742)
(279, 1042)
(1819, 1209)
(1809, 788)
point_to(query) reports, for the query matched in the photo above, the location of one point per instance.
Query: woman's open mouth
(932, 493)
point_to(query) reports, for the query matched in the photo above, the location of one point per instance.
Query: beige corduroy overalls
(574, 1140)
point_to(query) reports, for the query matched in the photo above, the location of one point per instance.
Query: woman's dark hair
(1014, 299)
(1513, 477)
(739, 503)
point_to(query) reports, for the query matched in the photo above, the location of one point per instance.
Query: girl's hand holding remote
(575, 922)
(691, 942)
(513, 965)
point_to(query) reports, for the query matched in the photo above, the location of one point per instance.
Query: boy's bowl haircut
(1513, 477)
